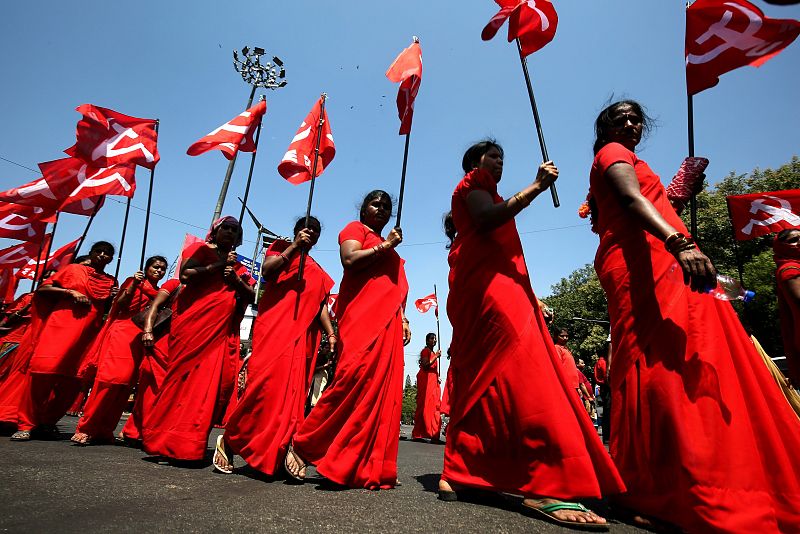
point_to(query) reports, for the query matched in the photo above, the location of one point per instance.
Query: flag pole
(47, 253)
(693, 198)
(323, 97)
(122, 239)
(86, 230)
(38, 259)
(147, 213)
(228, 173)
(252, 164)
(438, 336)
(402, 182)
(539, 132)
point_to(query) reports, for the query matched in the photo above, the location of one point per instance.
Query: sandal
(221, 462)
(299, 475)
(546, 512)
(80, 438)
(22, 435)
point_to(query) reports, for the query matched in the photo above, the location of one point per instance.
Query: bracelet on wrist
(524, 202)
(678, 242)
(284, 257)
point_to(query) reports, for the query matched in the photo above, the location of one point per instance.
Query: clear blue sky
(172, 61)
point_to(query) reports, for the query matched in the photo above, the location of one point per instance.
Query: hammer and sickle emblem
(776, 214)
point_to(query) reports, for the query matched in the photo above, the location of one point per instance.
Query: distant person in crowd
(292, 314)
(74, 300)
(686, 382)
(786, 247)
(118, 352)
(586, 390)
(516, 425)
(323, 374)
(569, 367)
(203, 346)
(351, 434)
(427, 418)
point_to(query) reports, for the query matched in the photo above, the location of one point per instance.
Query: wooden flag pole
(402, 182)
(46, 254)
(147, 214)
(323, 97)
(38, 259)
(122, 239)
(252, 164)
(438, 336)
(86, 230)
(693, 199)
(539, 132)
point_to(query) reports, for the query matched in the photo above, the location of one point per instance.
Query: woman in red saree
(17, 317)
(787, 274)
(351, 435)
(291, 316)
(428, 418)
(203, 346)
(78, 296)
(153, 368)
(686, 382)
(118, 351)
(516, 425)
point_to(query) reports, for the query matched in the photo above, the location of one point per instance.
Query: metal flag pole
(268, 76)
(438, 336)
(539, 132)
(402, 182)
(46, 254)
(323, 98)
(86, 230)
(252, 164)
(38, 259)
(122, 239)
(692, 199)
(147, 214)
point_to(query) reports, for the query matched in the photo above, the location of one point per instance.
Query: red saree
(285, 343)
(516, 425)
(444, 407)
(789, 269)
(66, 333)
(152, 371)
(701, 433)
(352, 434)
(203, 362)
(427, 418)
(118, 352)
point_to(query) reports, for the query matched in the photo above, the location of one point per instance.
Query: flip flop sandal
(22, 435)
(299, 462)
(221, 461)
(545, 512)
(81, 439)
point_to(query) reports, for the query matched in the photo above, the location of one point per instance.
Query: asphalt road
(58, 486)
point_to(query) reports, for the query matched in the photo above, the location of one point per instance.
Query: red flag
(35, 193)
(758, 214)
(296, 164)
(723, 35)
(26, 223)
(106, 138)
(18, 255)
(533, 22)
(8, 285)
(188, 239)
(55, 261)
(234, 136)
(425, 303)
(407, 69)
(79, 187)
(331, 304)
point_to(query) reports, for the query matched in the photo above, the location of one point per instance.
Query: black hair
(80, 259)
(429, 334)
(301, 223)
(605, 122)
(472, 157)
(103, 245)
(783, 235)
(449, 228)
(372, 195)
(152, 259)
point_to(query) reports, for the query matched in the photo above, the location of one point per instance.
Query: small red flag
(188, 240)
(758, 214)
(18, 255)
(106, 137)
(55, 261)
(26, 223)
(407, 69)
(234, 136)
(8, 285)
(723, 35)
(35, 193)
(425, 303)
(533, 22)
(331, 304)
(297, 163)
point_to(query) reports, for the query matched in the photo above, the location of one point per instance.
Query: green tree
(409, 402)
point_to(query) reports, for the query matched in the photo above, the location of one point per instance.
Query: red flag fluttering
(18, 255)
(234, 136)
(407, 69)
(758, 214)
(26, 223)
(298, 161)
(332, 304)
(426, 303)
(723, 35)
(55, 261)
(71, 179)
(533, 22)
(106, 137)
(8, 285)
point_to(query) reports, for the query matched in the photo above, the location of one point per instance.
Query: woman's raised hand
(138, 277)
(303, 239)
(232, 258)
(546, 175)
(698, 271)
(394, 238)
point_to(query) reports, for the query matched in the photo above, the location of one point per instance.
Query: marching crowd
(683, 379)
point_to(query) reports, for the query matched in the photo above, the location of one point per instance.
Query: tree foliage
(409, 402)
(580, 294)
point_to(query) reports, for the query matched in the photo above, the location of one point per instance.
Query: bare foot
(81, 439)
(577, 515)
(294, 465)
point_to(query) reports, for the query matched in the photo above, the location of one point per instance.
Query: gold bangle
(522, 201)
